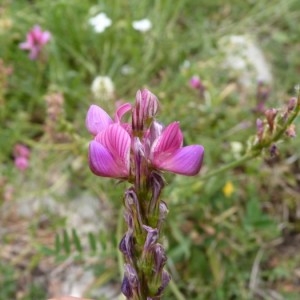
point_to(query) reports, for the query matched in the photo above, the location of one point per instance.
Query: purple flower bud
(152, 237)
(165, 279)
(131, 275)
(274, 151)
(132, 208)
(160, 257)
(126, 288)
(157, 183)
(126, 245)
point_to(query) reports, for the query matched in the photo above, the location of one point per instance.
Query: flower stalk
(277, 124)
(139, 152)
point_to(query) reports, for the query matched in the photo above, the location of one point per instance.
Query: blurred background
(215, 67)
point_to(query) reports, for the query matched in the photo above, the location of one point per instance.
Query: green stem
(231, 165)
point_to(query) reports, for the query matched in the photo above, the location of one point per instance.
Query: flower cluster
(277, 122)
(139, 151)
(115, 142)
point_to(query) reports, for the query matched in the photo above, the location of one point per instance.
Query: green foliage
(212, 239)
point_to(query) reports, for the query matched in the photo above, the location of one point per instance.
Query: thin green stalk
(176, 292)
(231, 165)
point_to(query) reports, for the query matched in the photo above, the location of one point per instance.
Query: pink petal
(169, 141)
(116, 140)
(122, 110)
(97, 119)
(45, 38)
(25, 46)
(109, 152)
(34, 52)
(102, 163)
(185, 161)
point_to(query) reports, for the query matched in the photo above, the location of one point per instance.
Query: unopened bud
(291, 131)
(163, 211)
(271, 115)
(274, 151)
(259, 129)
(144, 111)
(165, 279)
(126, 288)
(292, 104)
(126, 245)
(152, 237)
(130, 281)
(160, 257)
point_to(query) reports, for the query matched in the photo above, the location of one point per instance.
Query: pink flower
(21, 150)
(168, 154)
(35, 40)
(21, 154)
(196, 83)
(109, 152)
(117, 145)
(21, 163)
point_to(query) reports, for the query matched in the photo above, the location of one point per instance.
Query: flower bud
(126, 288)
(259, 129)
(163, 211)
(132, 208)
(132, 277)
(152, 237)
(160, 257)
(165, 279)
(126, 245)
(291, 131)
(274, 151)
(145, 109)
(271, 115)
(292, 104)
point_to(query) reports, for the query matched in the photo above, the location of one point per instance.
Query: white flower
(245, 59)
(103, 88)
(100, 22)
(142, 25)
(236, 148)
(127, 70)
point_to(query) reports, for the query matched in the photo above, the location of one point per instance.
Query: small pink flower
(109, 152)
(168, 154)
(196, 83)
(21, 150)
(21, 163)
(35, 40)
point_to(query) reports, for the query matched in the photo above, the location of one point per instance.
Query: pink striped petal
(121, 111)
(114, 152)
(186, 161)
(169, 141)
(102, 162)
(97, 119)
